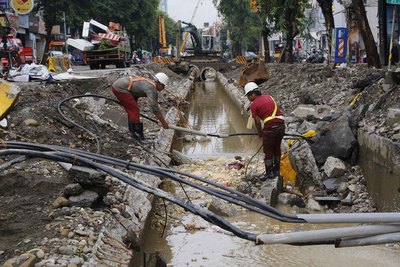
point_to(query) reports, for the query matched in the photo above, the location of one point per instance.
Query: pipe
(92, 160)
(181, 129)
(370, 240)
(231, 195)
(379, 217)
(173, 127)
(326, 234)
(137, 183)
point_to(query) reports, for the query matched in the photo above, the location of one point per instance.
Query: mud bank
(44, 227)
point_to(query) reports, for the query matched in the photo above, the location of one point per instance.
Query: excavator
(254, 71)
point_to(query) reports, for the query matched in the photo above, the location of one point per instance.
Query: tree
(366, 33)
(244, 26)
(137, 16)
(52, 15)
(326, 7)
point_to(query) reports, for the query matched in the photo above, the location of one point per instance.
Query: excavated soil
(28, 188)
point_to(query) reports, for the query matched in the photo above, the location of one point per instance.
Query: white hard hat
(250, 87)
(162, 78)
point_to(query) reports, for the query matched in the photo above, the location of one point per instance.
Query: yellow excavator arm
(162, 35)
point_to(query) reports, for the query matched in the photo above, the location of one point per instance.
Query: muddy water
(211, 111)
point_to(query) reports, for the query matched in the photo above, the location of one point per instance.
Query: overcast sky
(183, 10)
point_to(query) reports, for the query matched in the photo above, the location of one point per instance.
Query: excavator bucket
(253, 72)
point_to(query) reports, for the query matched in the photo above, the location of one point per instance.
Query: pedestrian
(264, 109)
(129, 89)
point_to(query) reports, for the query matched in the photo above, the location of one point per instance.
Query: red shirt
(263, 106)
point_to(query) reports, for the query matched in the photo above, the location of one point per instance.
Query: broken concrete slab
(334, 167)
(312, 111)
(338, 142)
(86, 176)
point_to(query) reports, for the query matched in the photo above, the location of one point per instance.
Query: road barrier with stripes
(162, 60)
(241, 60)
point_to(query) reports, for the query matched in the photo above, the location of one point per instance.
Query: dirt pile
(295, 84)
(29, 188)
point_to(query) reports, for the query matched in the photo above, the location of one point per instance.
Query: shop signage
(22, 6)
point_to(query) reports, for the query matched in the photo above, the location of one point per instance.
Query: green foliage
(136, 16)
(244, 26)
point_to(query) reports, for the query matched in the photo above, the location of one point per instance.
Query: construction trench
(115, 232)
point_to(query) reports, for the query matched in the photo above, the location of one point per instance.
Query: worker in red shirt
(129, 89)
(264, 109)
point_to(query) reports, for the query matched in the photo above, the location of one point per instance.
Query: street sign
(393, 2)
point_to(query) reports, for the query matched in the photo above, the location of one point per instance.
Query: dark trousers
(272, 137)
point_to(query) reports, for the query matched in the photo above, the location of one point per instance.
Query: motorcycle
(316, 56)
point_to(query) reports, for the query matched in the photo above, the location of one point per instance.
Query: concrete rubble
(77, 217)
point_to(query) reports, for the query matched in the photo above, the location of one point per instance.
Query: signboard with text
(393, 2)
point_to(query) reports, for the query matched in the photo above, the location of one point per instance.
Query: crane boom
(162, 34)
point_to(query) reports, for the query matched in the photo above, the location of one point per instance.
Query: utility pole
(65, 34)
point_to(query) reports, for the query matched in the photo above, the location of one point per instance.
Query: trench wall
(379, 159)
(109, 249)
(233, 92)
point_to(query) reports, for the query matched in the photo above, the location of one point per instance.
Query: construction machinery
(254, 71)
(194, 59)
(162, 38)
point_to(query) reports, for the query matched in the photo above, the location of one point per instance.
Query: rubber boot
(269, 171)
(137, 133)
(277, 166)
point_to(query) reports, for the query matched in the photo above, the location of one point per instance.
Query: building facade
(29, 28)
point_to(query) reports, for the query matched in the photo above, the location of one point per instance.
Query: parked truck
(110, 45)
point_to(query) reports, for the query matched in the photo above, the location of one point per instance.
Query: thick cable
(204, 213)
(249, 203)
(232, 195)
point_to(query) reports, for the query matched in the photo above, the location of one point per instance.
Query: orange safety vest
(273, 113)
(137, 79)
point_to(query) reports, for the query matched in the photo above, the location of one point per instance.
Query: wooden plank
(9, 93)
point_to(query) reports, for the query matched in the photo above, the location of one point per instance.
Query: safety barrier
(162, 60)
(241, 60)
(58, 64)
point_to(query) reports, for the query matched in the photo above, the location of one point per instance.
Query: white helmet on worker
(162, 78)
(250, 87)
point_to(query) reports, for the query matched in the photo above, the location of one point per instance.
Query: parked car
(250, 55)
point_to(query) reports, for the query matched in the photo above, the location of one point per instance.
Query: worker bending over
(264, 109)
(129, 89)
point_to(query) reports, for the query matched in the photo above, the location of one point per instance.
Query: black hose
(73, 158)
(231, 195)
(98, 142)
